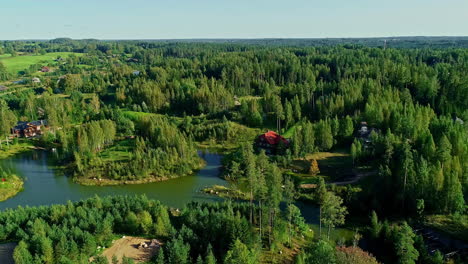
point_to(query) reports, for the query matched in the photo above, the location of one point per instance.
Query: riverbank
(13, 149)
(95, 181)
(10, 186)
(226, 192)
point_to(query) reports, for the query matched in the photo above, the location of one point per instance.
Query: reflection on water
(44, 185)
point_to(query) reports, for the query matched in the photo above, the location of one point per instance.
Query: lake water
(44, 186)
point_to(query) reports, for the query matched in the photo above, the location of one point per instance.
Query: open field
(128, 247)
(333, 166)
(120, 151)
(22, 62)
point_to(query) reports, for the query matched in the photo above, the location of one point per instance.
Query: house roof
(3, 88)
(273, 138)
(23, 125)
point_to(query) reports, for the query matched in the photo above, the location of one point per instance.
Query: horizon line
(244, 38)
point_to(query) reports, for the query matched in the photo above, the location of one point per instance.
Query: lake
(44, 185)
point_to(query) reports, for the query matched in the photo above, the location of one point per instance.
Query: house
(3, 88)
(45, 69)
(364, 133)
(271, 142)
(136, 73)
(36, 80)
(29, 129)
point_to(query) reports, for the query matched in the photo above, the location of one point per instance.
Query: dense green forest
(136, 111)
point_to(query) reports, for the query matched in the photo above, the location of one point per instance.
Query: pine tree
(404, 245)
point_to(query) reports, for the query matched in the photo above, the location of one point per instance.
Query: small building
(45, 69)
(3, 88)
(136, 73)
(272, 143)
(364, 134)
(35, 80)
(29, 129)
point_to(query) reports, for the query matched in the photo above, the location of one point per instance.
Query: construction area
(137, 248)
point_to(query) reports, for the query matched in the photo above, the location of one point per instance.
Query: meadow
(22, 62)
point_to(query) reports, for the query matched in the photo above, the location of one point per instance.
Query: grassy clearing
(453, 225)
(286, 254)
(332, 165)
(22, 62)
(7, 151)
(120, 151)
(135, 116)
(10, 187)
(238, 134)
(290, 132)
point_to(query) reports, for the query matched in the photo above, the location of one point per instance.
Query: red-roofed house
(45, 69)
(271, 142)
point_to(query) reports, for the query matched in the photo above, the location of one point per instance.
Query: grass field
(332, 165)
(456, 226)
(19, 63)
(120, 151)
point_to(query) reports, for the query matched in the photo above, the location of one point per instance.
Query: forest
(138, 111)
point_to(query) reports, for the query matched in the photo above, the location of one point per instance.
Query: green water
(44, 185)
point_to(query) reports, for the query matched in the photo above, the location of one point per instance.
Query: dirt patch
(130, 248)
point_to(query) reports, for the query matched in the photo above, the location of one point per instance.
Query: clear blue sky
(168, 19)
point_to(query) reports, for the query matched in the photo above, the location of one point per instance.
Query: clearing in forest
(22, 62)
(130, 248)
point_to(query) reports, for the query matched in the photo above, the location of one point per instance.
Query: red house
(45, 69)
(272, 142)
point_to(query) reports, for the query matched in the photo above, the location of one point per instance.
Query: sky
(186, 19)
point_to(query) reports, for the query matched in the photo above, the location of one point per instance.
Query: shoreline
(11, 191)
(110, 182)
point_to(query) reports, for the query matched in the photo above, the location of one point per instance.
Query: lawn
(19, 63)
(290, 132)
(332, 165)
(120, 151)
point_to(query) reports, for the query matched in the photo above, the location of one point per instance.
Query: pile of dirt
(136, 248)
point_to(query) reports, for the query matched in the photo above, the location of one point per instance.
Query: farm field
(19, 63)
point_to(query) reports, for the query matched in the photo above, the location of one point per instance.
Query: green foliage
(240, 254)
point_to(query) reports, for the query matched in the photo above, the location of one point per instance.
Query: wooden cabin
(29, 129)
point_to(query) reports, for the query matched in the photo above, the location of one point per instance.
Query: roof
(273, 138)
(21, 125)
(3, 87)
